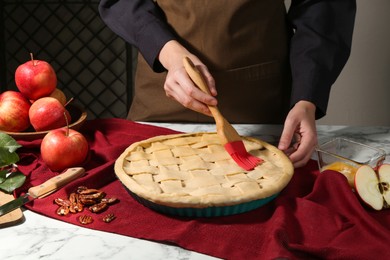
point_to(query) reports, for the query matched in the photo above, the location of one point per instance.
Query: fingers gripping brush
(229, 137)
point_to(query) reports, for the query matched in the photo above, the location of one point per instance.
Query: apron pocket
(253, 94)
(255, 72)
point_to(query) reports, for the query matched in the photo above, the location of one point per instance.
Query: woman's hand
(178, 84)
(299, 124)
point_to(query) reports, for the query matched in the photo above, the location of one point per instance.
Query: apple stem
(32, 59)
(67, 124)
(70, 100)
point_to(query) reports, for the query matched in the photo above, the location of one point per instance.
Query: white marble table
(39, 237)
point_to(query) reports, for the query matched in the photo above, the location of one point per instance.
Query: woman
(267, 65)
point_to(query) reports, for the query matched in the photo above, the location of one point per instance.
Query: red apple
(373, 187)
(35, 79)
(60, 95)
(14, 108)
(62, 148)
(47, 113)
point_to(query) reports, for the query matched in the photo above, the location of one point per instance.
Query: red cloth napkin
(315, 216)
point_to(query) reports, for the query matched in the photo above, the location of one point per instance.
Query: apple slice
(384, 178)
(367, 187)
(373, 188)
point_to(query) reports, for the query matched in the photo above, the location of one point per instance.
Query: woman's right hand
(178, 84)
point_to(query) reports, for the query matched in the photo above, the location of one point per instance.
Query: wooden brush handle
(200, 82)
(225, 130)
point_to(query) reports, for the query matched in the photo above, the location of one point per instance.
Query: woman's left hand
(299, 125)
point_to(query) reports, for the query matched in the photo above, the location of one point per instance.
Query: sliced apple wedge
(384, 178)
(367, 187)
(373, 188)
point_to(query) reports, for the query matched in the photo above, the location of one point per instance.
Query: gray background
(361, 95)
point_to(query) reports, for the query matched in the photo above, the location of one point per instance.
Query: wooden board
(12, 217)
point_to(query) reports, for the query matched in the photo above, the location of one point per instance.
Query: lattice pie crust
(194, 170)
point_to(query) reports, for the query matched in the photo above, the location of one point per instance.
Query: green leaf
(8, 146)
(12, 182)
(7, 142)
(3, 175)
(7, 158)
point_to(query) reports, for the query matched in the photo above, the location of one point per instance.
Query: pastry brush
(230, 139)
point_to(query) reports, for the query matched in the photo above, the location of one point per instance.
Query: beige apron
(244, 43)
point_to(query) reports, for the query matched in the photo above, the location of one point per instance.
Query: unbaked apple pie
(184, 174)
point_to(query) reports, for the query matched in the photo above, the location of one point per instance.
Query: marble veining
(39, 237)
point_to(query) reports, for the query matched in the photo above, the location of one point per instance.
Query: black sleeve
(140, 23)
(320, 47)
